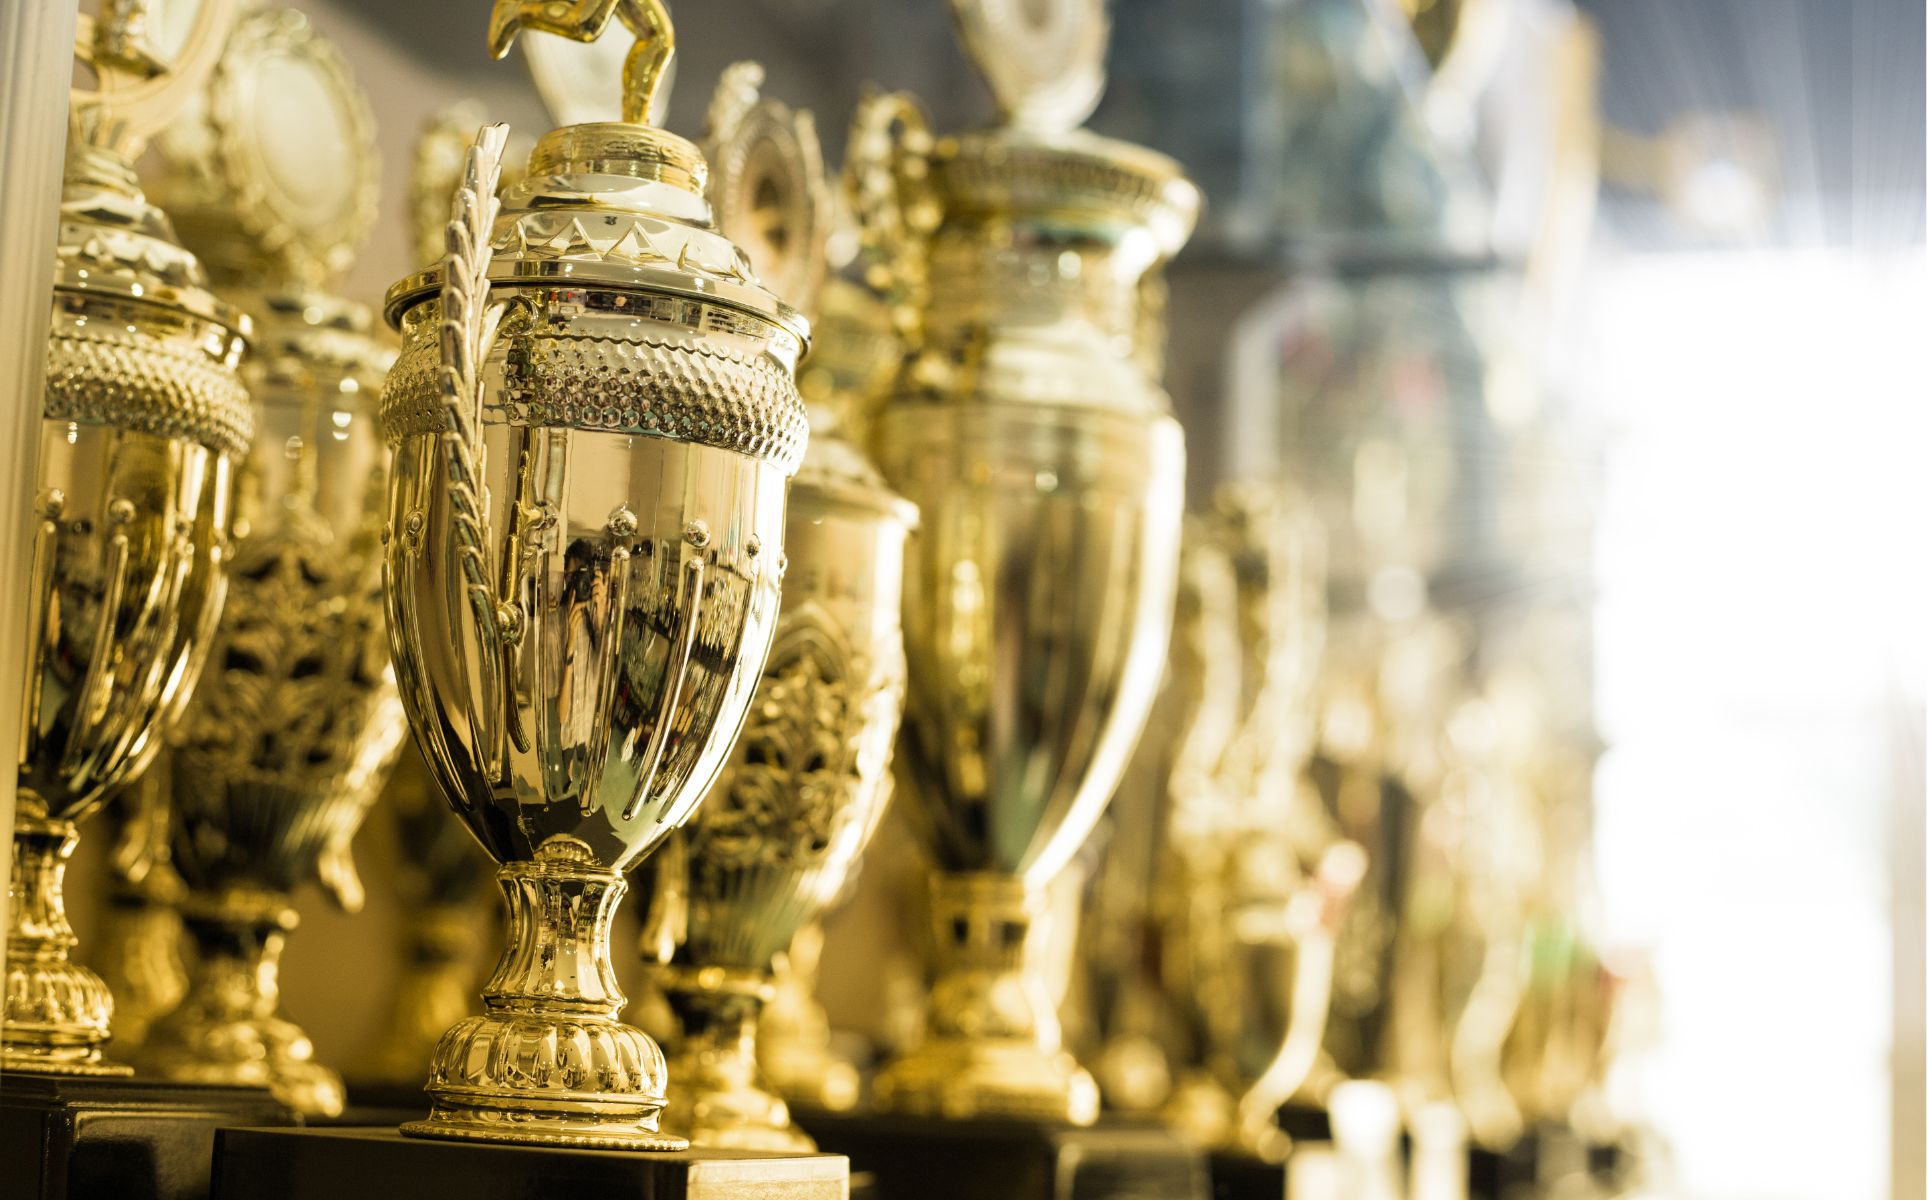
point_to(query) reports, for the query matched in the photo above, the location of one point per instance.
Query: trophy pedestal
(381, 1164)
(915, 1158)
(65, 1137)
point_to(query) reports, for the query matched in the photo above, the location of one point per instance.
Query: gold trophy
(594, 420)
(145, 416)
(1256, 876)
(287, 740)
(810, 774)
(1038, 593)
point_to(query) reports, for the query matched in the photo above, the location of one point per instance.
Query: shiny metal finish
(145, 415)
(296, 722)
(1038, 592)
(810, 774)
(287, 740)
(594, 422)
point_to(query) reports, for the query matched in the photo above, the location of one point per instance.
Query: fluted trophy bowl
(289, 737)
(145, 417)
(585, 547)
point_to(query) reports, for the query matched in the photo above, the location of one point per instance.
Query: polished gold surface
(810, 774)
(144, 416)
(287, 740)
(1037, 598)
(594, 420)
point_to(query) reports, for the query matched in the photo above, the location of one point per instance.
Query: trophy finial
(644, 71)
(1044, 59)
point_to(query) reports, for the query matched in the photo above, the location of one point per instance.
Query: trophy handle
(887, 183)
(469, 324)
(1319, 910)
(644, 71)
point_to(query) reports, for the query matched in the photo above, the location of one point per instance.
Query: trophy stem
(716, 1096)
(993, 1048)
(547, 1063)
(227, 1031)
(57, 1011)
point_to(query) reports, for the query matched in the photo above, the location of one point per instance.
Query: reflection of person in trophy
(144, 418)
(810, 775)
(288, 739)
(594, 418)
(1038, 592)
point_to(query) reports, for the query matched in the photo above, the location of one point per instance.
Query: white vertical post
(36, 69)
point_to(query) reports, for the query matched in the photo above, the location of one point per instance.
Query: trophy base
(95, 1067)
(64, 1137)
(268, 1052)
(381, 1164)
(744, 1118)
(914, 1158)
(964, 1078)
(527, 1129)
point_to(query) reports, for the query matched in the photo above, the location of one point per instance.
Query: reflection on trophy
(1038, 593)
(810, 775)
(290, 735)
(593, 420)
(145, 416)
(1257, 877)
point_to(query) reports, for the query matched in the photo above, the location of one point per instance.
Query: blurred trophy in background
(145, 417)
(138, 948)
(1257, 876)
(810, 775)
(1038, 593)
(441, 874)
(288, 739)
(594, 419)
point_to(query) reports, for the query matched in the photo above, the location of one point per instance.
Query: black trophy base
(67, 1137)
(379, 1104)
(918, 1158)
(381, 1164)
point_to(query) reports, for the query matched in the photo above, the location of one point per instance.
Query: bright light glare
(1760, 561)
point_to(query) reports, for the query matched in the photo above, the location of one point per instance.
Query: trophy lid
(114, 243)
(1045, 65)
(616, 204)
(311, 342)
(1096, 184)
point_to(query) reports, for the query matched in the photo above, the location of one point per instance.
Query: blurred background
(1593, 333)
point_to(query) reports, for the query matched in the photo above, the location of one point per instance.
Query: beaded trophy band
(114, 372)
(690, 391)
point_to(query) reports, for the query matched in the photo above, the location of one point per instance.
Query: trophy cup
(810, 775)
(593, 420)
(1038, 593)
(145, 417)
(287, 740)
